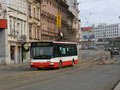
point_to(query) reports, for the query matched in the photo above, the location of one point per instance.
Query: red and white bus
(53, 54)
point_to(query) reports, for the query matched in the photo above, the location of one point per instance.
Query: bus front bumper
(44, 65)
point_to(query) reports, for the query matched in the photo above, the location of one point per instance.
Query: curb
(117, 87)
(5, 67)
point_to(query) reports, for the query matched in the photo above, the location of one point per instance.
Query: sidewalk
(117, 87)
(14, 66)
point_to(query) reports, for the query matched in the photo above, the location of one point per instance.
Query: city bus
(53, 54)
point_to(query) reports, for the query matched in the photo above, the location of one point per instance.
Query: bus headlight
(51, 63)
(31, 63)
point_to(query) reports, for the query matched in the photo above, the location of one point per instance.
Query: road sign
(58, 21)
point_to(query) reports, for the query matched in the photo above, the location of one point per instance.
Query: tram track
(24, 78)
(35, 77)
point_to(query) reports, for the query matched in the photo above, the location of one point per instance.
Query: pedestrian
(111, 54)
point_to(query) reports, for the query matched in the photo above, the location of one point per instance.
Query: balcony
(48, 15)
(49, 33)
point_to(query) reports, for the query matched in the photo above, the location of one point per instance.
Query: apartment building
(76, 24)
(26, 21)
(106, 32)
(16, 34)
(49, 11)
(86, 33)
(34, 22)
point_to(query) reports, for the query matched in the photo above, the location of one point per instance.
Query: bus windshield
(42, 52)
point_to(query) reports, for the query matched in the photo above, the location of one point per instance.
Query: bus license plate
(41, 66)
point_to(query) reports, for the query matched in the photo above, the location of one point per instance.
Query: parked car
(115, 52)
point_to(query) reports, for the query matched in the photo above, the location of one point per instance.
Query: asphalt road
(80, 77)
(93, 78)
(84, 76)
(83, 54)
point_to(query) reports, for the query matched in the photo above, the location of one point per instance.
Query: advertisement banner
(58, 21)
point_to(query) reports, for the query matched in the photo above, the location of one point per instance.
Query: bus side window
(74, 50)
(68, 51)
(62, 51)
(58, 51)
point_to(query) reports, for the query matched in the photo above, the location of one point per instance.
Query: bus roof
(55, 42)
(64, 42)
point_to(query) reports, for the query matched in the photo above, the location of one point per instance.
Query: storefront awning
(3, 23)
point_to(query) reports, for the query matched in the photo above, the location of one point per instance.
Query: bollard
(103, 60)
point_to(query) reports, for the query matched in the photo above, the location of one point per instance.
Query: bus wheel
(39, 68)
(60, 65)
(73, 63)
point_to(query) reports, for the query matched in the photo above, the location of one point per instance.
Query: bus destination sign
(41, 44)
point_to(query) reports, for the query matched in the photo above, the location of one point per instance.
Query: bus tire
(60, 65)
(39, 68)
(73, 63)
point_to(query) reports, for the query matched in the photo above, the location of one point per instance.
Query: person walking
(111, 54)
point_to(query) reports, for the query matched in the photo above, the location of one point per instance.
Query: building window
(35, 33)
(47, 1)
(24, 28)
(10, 25)
(34, 12)
(38, 36)
(38, 13)
(21, 27)
(14, 28)
(30, 31)
(29, 11)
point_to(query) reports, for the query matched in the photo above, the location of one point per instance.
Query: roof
(86, 28)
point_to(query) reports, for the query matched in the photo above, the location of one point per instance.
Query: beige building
(34, 20)
(79, 33)
(15, 36)
(49, 11)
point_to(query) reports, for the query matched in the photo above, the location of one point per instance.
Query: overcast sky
(99, 11)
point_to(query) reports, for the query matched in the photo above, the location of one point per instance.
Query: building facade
(104, 32)
(26, 21)
(86, 33)
(73, 7)
(49, 31)
(16, 32)
(34, 22)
